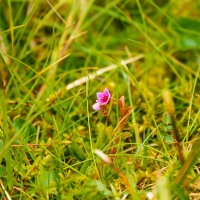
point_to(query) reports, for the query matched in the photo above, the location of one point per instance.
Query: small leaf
(189, 24)
(167, 138)
(166, 128)
(124, 112)
(45, 178)
(30, 131)
(95, 190)
(121, 105)
(188, 30)
(77, 151)
(167, 119)
(121, 102)
(127, 110)
(189, 42)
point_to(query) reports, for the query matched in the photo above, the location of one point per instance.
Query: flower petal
(97, 106)
(106, 92)
(99, 95)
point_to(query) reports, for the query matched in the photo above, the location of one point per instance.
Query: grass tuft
(55, 56)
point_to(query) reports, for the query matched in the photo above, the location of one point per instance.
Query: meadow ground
(55, 55)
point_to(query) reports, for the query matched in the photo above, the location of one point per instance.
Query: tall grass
(55, 56)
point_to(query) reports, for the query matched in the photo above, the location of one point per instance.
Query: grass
(55, 56)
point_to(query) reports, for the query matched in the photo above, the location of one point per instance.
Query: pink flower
(97, 106)
(103, 99)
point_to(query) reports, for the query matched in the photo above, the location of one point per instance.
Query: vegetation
(55, 55)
